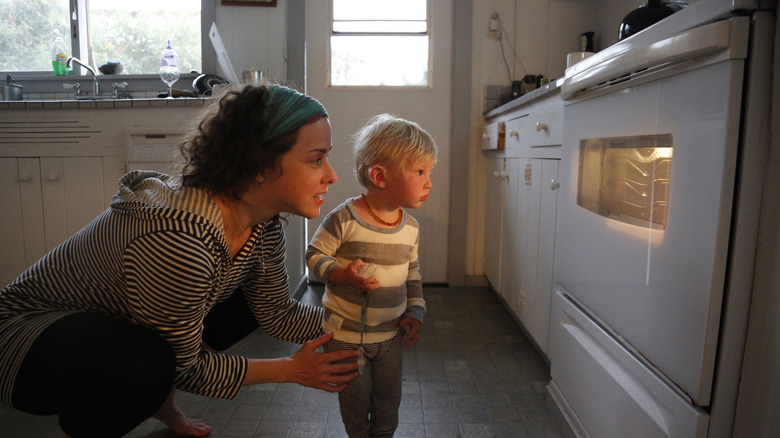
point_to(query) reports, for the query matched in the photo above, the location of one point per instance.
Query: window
(133, 33)
(379, 43)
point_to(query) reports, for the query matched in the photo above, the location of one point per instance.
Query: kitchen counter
(525, 98)
(103, 103)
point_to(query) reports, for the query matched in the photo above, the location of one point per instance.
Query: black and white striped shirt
(157, 257)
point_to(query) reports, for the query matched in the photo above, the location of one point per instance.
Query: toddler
(366, 252)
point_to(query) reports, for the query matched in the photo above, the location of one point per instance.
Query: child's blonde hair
(390, 140)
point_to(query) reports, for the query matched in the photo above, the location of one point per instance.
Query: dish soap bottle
(169, 57)
(59, 55)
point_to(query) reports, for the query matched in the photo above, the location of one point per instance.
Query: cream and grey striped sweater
(343, 237)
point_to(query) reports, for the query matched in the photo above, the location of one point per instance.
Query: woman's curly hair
(224, 152)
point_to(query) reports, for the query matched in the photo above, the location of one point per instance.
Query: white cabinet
(522, 183)
(59, 169)
(493, 136)
(496, 186)
(47, 199)
(520, 238)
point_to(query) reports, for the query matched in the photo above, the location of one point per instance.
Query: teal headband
(288, 110)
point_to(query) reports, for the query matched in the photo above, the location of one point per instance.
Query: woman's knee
(93, 358)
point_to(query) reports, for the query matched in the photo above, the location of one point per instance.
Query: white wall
(254, 37)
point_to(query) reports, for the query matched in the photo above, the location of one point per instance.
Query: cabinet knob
(499, 174)
(485, 136)
(554, 184)
(513, 133)
(540, 126)
(25, 178)
(53, 177)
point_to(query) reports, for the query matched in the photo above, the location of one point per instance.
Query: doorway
(349, 108)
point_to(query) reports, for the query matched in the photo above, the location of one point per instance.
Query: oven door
(648, 171)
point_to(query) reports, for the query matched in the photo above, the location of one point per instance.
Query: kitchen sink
(101, 97)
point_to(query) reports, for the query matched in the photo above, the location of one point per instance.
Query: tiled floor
(473, 374)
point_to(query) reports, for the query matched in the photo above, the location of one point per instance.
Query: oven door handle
(719, 38)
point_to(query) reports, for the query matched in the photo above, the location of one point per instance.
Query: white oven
(659, 141)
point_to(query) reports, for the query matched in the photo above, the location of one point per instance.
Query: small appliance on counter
(647, 15)
(10, 90)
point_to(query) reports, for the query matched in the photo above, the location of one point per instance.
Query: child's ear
(378, 176)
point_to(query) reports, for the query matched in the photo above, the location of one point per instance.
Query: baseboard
(562, 414)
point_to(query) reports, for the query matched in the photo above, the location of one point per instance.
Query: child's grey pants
(369, 404)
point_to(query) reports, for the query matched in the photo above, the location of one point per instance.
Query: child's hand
(354, 276)
(411, 328)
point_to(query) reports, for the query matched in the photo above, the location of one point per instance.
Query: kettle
(647, 15)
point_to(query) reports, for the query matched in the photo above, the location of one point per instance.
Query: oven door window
(626, 178)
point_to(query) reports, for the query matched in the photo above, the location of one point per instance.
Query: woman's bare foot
(170, 414)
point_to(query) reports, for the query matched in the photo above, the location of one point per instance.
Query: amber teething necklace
(378, 219)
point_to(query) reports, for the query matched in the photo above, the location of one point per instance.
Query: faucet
(95, 85)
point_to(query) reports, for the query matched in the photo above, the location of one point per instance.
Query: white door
(348, 108)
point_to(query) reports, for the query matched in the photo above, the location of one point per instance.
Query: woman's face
(301, 177)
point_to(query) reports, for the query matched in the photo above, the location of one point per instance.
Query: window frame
(428, 32)
(36, 81)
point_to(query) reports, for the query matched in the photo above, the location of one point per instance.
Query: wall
(760, 390)
(254, 37)
(536, 36)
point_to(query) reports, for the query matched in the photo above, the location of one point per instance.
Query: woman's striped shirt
(157, 257)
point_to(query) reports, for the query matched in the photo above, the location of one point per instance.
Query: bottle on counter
(59, 55)
(169, 57)
(169, 67)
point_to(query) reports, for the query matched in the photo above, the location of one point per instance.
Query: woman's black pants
(104, 376)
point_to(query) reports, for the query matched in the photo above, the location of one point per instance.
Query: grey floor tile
(473, 374)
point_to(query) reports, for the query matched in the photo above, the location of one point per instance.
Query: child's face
(411, 183)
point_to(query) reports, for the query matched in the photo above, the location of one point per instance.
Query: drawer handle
(500, 174)
(53, 177)
(540, 126)
(513, 133)
(554, 184)
(485, 136)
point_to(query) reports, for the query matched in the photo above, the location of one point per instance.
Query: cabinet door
(72, 190)
(496, 182)
(545, 260)
(530, 205)
(510, 236)
(45, 200)
(522, 238)
(21, 216)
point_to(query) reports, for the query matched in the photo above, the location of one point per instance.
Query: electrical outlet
(494, 28)
(528, 173)
(521, 302)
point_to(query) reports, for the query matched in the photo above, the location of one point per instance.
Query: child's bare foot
(170, 415)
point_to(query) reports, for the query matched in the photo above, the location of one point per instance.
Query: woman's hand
(306, 367)
(317, 370)
(411, 328)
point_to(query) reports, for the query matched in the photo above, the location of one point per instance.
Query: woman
(103, 328)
